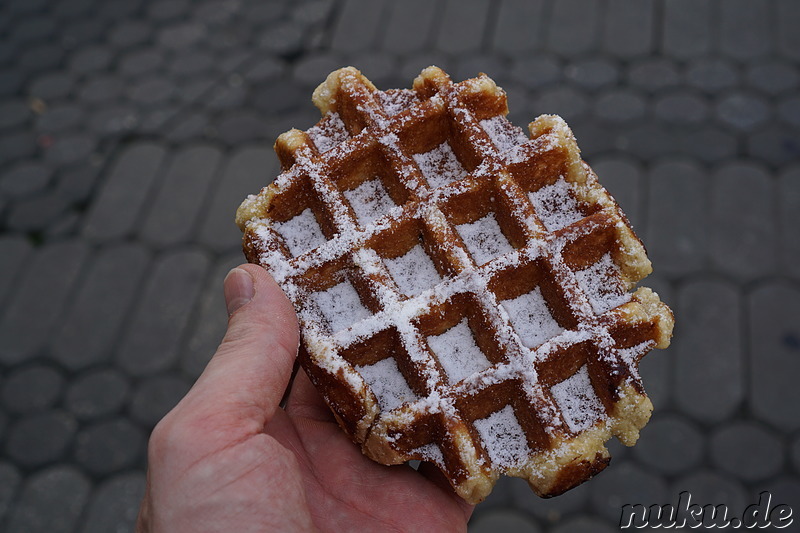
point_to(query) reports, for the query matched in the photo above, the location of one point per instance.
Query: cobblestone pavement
(131, 129)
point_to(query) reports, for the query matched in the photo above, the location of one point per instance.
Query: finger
(252, 366)
(305, 401)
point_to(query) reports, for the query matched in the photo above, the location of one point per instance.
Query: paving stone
(357, 25)
(152, 340)
(120, 199)
(669, 444)
(13, 113)
(108, 447)
(381, 68)
(625, 483)
(141, 61)
(115, 504)
(284, 39)
(261, 13)
(14, 253)
(708, 144)
(60, 118)
(657, 369)
(191, 62)
(629, 27)
(70, 149)
(174, 209)
(225, 96)
(405, 18)
(92, 321)
(151, 91)
(35, 305)
(622, 177)
(51, 501)
(776, 144)
(742, 111)
(519, 26)
(242, 126)
(592, 74)
(787, 20)
(96, 394)
(502, 520)
(40, 57)
(549, 511)
(81, 31)
(712, 75)
(194, 126)
(101, 89)
(129, 33)
(10, 82)
(76, 183)
(685, 32)
(786, 490)
(789, 213)
(775, 343)
(72, 9)
(620, 105)
(796, 454)
(113, 119)
(154, 121)
(16, 146)
(51, 85)
(25, 178)
(182, 35)
(266, 68)
(732, 449)
(682, 108)
(167, 9)
(789, 111)
(745, 28)
(246, 172)
(570, 103)
(10, 480)
(585, 524)
(26, 446)
(36, 213)
(743, 227)
(90, 59)
(709, 337)
(677, 222)
(31, 30)
(711, 487)
(156, 396)
(462, 26)
(193, 89)
(573, 27)
(31, 389)
(536, 71)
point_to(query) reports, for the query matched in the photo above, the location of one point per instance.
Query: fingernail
(238, 288)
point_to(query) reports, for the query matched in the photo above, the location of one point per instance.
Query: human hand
(229, 458)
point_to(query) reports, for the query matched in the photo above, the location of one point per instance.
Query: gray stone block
(788, 20)
(191, 62)
(14, 252)
(502, 520)
(101, 89)
(141, 61)
(745, 112)
(685, 31)
(747, 450)
(92, 322)
(36, 213)
(745, 29)
(121, 198)
(622, 177)
(13, 113)
(519, 26)
(51, 501)
(412, 17)
(358, 25)
(36, 305)
(653, 74)
(151, 342)
(536, 71)
(776, 144)
(774, 346)
(25, 443)
(786, 489)
(711, 487)
(182, 35)
(178, 202)
(40, 58)
(712, 75)
(96, 393)
(18, 145)
(795, 451)
(550, 511)
(113, 119)
(60, 118)
(31, 389)
(676, 226)
(71, 149)
(620, 106)
(709, 144)
(245, 172)
(115, 504)
(789, 220)
(462, 26)
(381, 68)
(708, 336)
(669, 444)
(24, 178)
(681, 108)
(155, 396)
(562, 100)
(108, 447)
(624, 483)
(130, 33)
(592, 74)
(51, 85)
(90, 58)
(151, 91)
(629, 25)
(743, 225)
(10, 480)
(789, 111)
(573, 27)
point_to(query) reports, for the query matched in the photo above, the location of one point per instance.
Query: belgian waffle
(462, 290)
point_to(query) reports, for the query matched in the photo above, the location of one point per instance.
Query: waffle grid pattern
(363, 133)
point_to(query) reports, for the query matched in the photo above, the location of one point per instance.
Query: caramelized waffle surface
(463, 291)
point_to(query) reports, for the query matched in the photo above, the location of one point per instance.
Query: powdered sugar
(503, 133)
(531, 318)
(484, 239)
(413, 272)
(397, 101)
(341, 306)
(440, 165)
(503, 438)
(601, 284)
(328, 133)
(301, 233)
(370, 201)
(578, 401)
(555, 205)
(431, 452)
(387, 383)
(458, 353)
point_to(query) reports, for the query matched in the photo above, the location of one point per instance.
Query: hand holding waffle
(228, 458)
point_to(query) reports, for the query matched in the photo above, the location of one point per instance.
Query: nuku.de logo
(692, 515)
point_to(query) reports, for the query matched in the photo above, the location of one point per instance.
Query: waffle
(463, 291)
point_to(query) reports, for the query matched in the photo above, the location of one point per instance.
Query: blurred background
(131, 129)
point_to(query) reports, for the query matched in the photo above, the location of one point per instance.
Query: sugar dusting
(503, 437)
(531, 318)
(503, 133)
(458, 353)
(555, 205)
(328, 133)
(484, 239)
(370, 201)
(301, 233)
(601, 284)
(388, 384)
(341, 306)
(577, 400)
(440, 165)
(413, 272)
(396, 101)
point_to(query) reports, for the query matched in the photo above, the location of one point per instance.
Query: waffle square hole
(503, 437)
(531, 318)
(458, 353)
(414, 272)
(440, 165)
(577, 400)
(484, 239)
(602, 285)
(556, 205)
(341, 306)
(387, 383)
(503, 133)
(328, 133)
(369, 201)
(301, 233)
